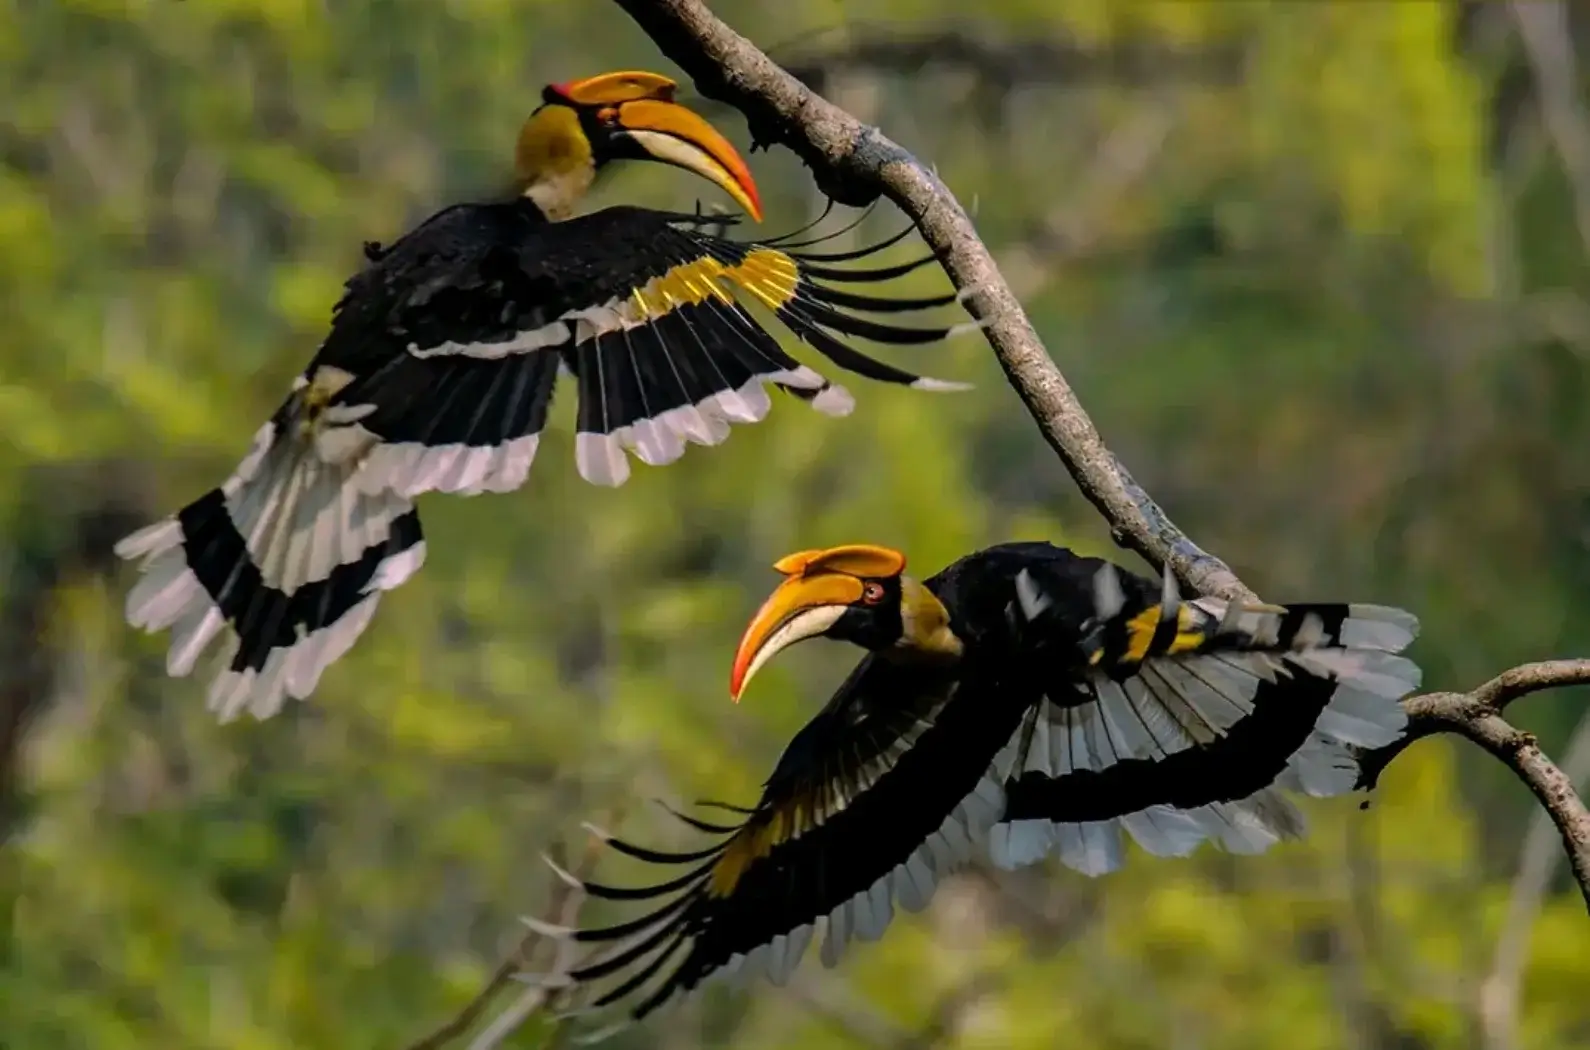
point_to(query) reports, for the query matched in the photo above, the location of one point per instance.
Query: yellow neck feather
(925, 622)
(553, 161)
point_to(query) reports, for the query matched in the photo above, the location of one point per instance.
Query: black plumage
(1024, 702)
(439, 370)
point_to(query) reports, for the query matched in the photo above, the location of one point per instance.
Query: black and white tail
(285, 562)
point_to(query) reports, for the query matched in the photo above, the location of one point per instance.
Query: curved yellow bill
(674, 135)
(799, 608)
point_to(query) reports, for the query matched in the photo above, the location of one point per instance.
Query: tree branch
(855, 164)
(1502, 988)
(1478, 717)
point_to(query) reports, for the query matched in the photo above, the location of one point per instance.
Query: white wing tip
(940, 386)
(801, 377)
(1379, 627)
(395, 569)
(149, 540)
(600, 834)
(551, 931)
(1016, 844)
(165, 594)
(834, 400)
(600, 459)
(563, 875)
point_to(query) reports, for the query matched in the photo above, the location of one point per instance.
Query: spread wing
(1188, 718)
(452, 342)
(891, 787)
(438, 374)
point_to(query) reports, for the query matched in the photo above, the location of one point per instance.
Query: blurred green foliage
(1322, 322)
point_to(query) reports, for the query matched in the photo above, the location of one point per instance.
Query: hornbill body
(438, 371)
(1022, 703)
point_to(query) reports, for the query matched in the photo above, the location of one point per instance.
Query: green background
(1313, 268)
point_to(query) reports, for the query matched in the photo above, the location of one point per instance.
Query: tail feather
(285, 560)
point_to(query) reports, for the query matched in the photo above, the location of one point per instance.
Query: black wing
(1182, 720)
(894, 785)
(453, 340)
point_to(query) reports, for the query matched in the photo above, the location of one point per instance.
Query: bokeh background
(1317, 270)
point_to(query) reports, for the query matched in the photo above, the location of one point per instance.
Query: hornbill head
(856, 593)
(582, 125)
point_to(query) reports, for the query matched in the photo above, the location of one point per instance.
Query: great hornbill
(1023, 702)
(438, 372)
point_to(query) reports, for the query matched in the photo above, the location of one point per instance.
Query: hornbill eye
(871, 592)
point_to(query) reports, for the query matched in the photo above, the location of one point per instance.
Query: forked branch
(1478, 717)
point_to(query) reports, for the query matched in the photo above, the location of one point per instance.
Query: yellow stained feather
(552, 143)
(771, 276)
(752, 843)
(1140, 631)
(325, 383)
(925, 623)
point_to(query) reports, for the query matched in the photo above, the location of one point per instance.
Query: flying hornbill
(1025, 701)
(439, 368)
